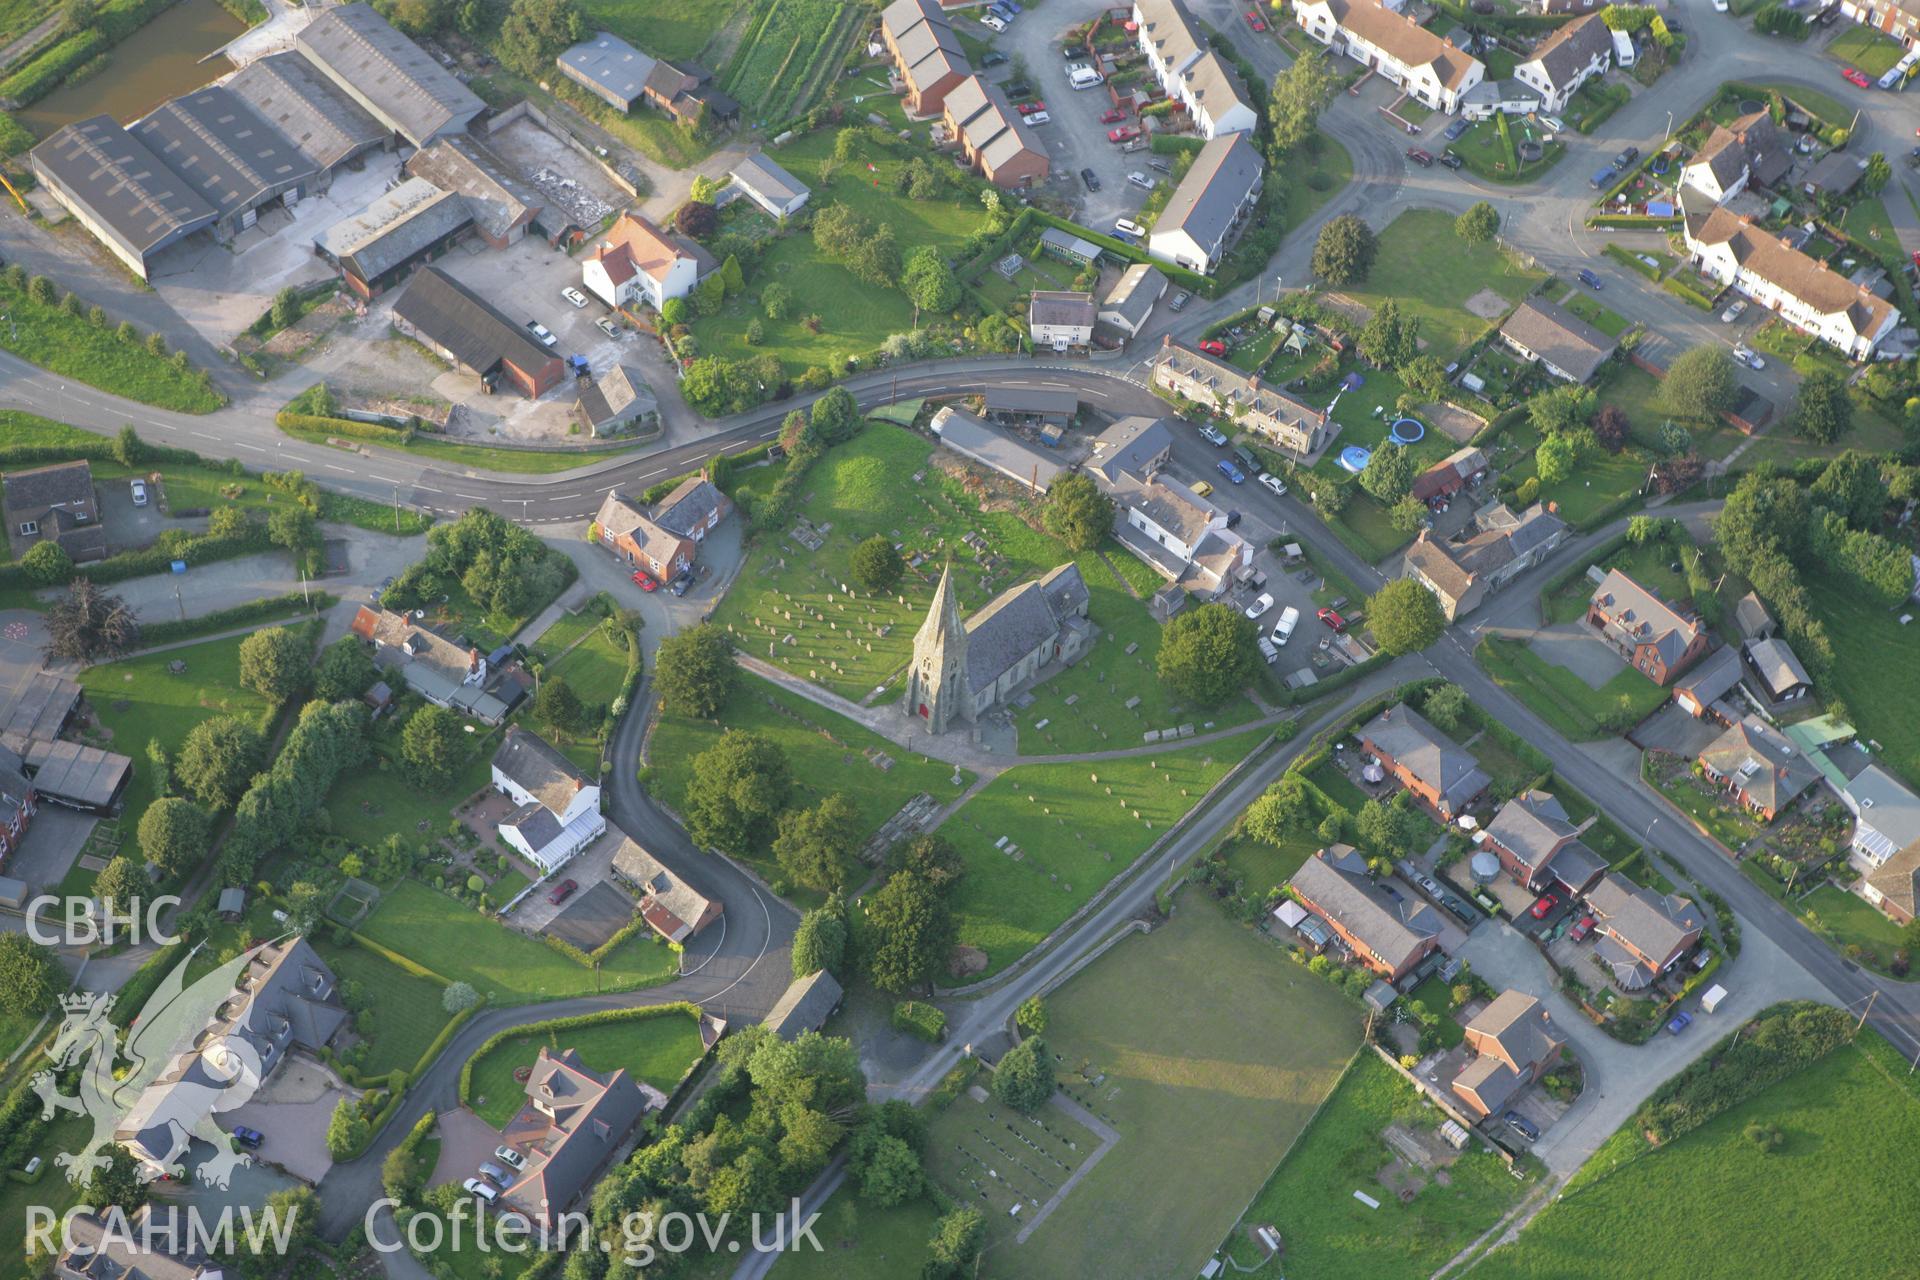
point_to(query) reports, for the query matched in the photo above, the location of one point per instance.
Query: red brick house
(1389, 936)
(1656, 639)
(1755, 762)
(627, 531)
(17, 802)
(1540, 847)
(926, 53)
(1642, 934)
(1894, 885)
(1513, 1045)
(1443, 775)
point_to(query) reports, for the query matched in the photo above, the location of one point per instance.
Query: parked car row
(495, 1177)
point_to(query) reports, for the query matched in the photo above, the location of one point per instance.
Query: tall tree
(736, 791)
(1343, 252)
(558, 707)
(910, 931)
(1558, 455)
(818, 847)
(30, 976)
(174, 834)
(275, 663)
(1208, 654)
(1388, 338)
(1388, 475)
(1024, 1077)
(1077, 512)
(1478, 224)
(217, 760)
(431, 746)
(1699, 384)
(1852, 486)
(876, 564)
(820, 942)
(345, 670)
(89, 624)
(1298, 96)
(1561, 409)
(1822, 411)
(694, 672)
(929, 282)
(835, 416)
(1405, 616)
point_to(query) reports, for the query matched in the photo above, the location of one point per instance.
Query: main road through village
(739, 972)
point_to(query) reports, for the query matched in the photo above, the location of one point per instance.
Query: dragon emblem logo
(186, 1057)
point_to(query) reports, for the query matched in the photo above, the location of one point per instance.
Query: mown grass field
(664, 28)
(1073, 836)
(1432, 272)
(1332, 1236)
(1253, 1059)
(371, 802)
(1712, 1204)
(461, 945)
(1562, 698)
(655, 1050)
(821, 765)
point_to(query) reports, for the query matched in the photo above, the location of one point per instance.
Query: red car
(1856, 78)
(1547, 903)
(1112, 115)
(1422, 158)
(643, 581)
(1332, 619)
(1032, 107)
(1255, 21)
(1582, 929)
(562, 891)
(1125, 133)
(1214, 347)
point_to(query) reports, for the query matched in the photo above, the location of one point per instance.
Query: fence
(525, 110)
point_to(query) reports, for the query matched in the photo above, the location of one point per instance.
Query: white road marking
(203, 435)
(426, 488)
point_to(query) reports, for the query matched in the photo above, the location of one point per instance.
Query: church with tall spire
(963, 669)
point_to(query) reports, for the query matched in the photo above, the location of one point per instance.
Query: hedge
(144, 982)
(15, 138)
(1633, 221)
(495, 1040)
(47, 72)
(920, 1019)
(1205, 286)
(173, 544)
(287, 420)
(1175, 144)
(1776, 1043)
(1338, 680)
(1687, 293)
(1628, 258)
(413, 967)
(240, 615)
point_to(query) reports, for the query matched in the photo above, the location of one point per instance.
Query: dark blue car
(1231, 472)
(248, 1138)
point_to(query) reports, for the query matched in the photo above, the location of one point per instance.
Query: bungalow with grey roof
(768, 185)
(1894, 885)
(1756, 763)
(805, 1006)
(1130, 301)
(1886, 814)
(1559, 341)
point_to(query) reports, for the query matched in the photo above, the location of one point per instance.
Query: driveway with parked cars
(1075, 135)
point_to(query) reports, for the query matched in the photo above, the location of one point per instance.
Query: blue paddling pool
(1407, 431)
(1354, 458)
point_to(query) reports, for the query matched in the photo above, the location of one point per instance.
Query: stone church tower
(937, 689)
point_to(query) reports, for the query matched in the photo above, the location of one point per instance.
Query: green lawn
(656, 1050)
(1633, 390)
(1649, 564)
(138, 700)
(1731, 826)
(860, 1241)
(1264, 866)
(1253, 1059)
(72, 347)
(821, 764)
(508, 967)
(597, 671)
(1480, 148)
(1367, 528)
(1697, 1208)
(1560, 697)
(1865, 48)
(1846, 919)
(50, 1192)
(1829, 108)
(855, 317)
(1332, 1236)
(404, 1012)
(1338, 786)
(1073, 836)
(1882, 697)
(1598, 487)
(1436, 997)
(369, 803)
(1313, 178)
(1609, 322)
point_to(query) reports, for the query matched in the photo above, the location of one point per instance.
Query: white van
(1081, 76)
(1283, 629)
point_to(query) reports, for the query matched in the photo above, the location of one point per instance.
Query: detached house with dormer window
(1656, 639)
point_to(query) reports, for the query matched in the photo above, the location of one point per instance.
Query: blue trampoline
(1352, 382)
(1407, 431)
(1354, 458)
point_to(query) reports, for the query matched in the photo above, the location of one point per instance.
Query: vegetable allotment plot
(778, 65)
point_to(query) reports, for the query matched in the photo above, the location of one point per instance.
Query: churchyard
(829, 754)
(892, 482)
(1042, 839)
